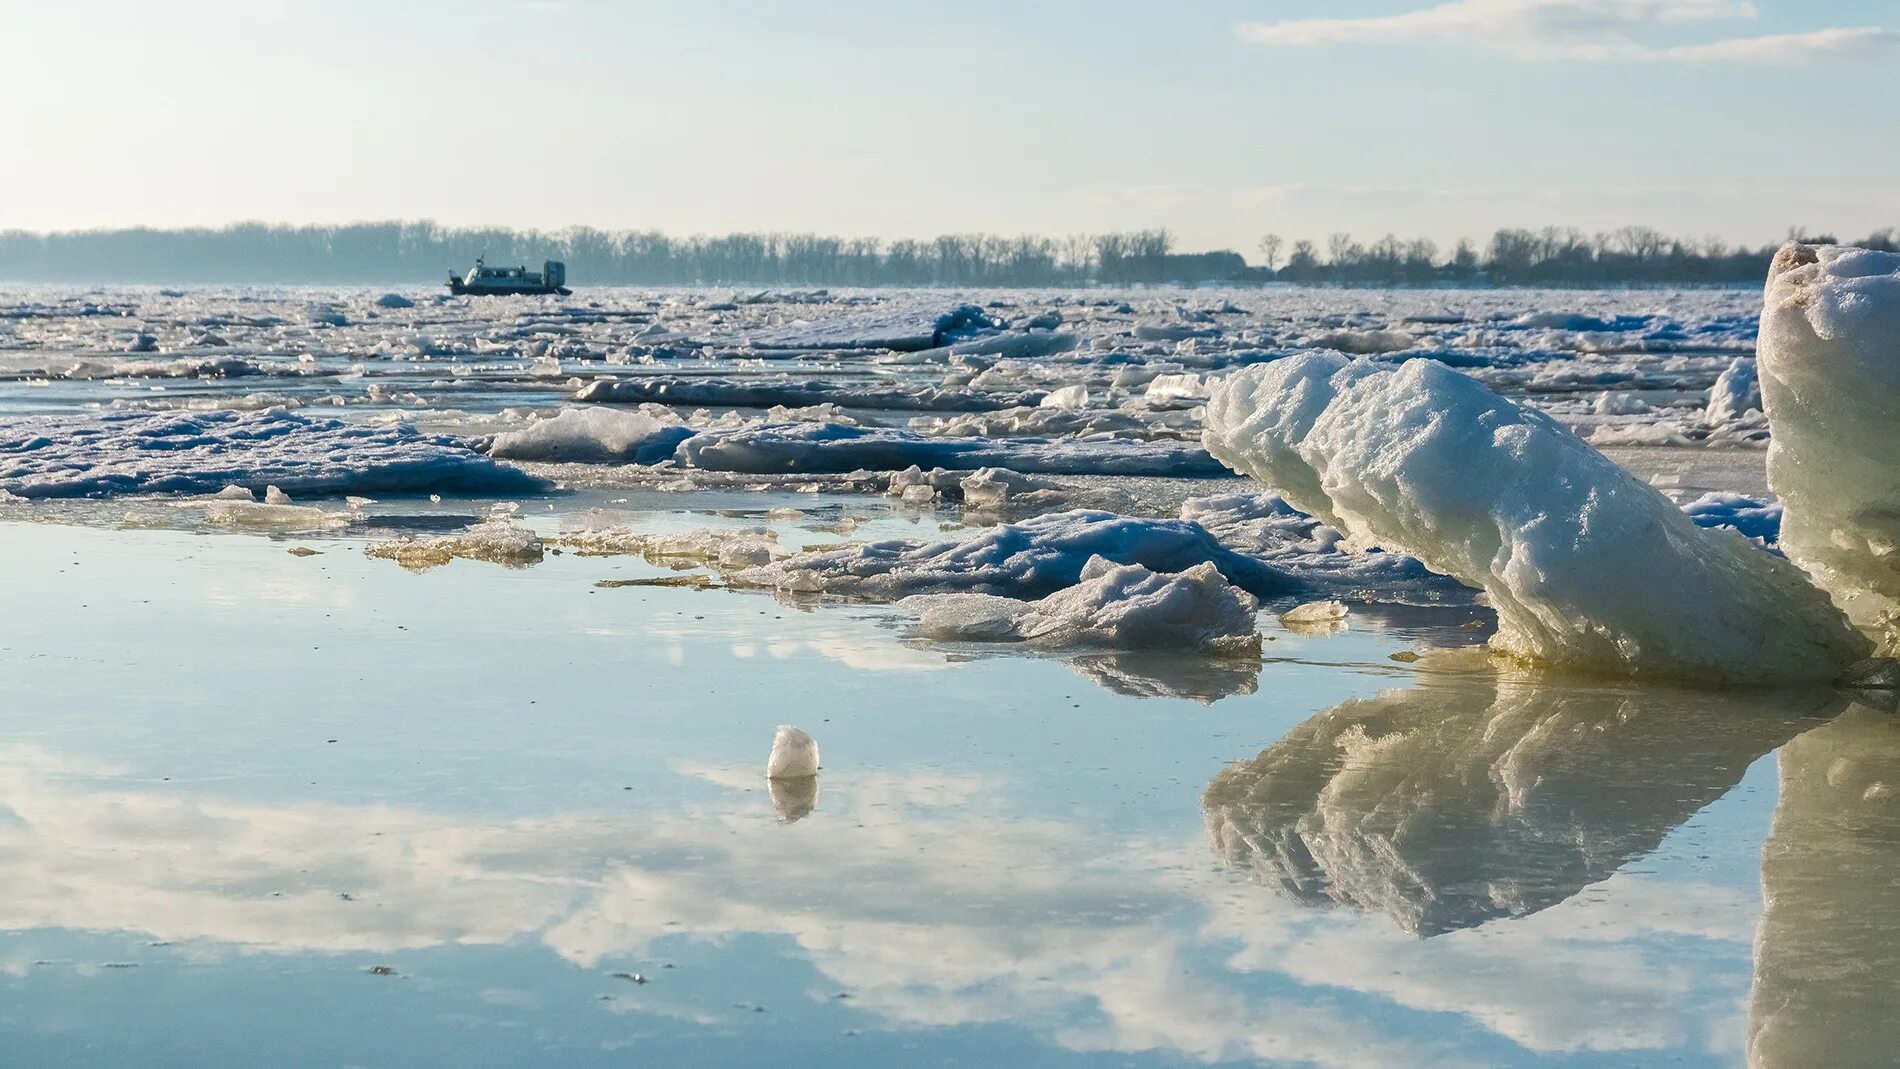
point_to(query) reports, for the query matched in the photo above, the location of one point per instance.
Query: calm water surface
(267, 810)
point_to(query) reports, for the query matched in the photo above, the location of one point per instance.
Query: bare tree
(1270, 251)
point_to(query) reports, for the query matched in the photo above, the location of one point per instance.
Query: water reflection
(926, 900)
(1159, 674)
(1461, 802)
(1827, 960)
(793, 799)
(1465, 800)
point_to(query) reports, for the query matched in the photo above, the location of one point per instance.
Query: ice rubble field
(1062, 432)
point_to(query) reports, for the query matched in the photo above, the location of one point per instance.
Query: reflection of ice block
(1830, 376)
(1827, 956)
(1460, 802)
(1165, 674)
(1587, 567)
(793, 799)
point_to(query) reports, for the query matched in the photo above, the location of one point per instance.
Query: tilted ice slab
(1587, 567)
(1830, 375)
(1116, 606)
(1030, 559)
(830, 448)
(594, 435)
(795, 393)
(201, 453)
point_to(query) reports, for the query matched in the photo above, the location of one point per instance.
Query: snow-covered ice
(1031, 559)
(200, 453)
(1587, 567)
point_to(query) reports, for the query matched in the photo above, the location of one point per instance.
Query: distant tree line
(399, 252)
(1553, 256)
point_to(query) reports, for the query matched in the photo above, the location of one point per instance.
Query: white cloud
(1595, 30)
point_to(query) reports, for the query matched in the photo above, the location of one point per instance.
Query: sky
(1221, 120)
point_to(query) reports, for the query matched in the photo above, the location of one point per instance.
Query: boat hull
(479, 290)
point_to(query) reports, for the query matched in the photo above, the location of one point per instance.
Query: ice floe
(832, 448)
(199, 453)
(1031, 559)
(764, 393)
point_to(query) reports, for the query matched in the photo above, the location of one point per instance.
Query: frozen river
(269, 797)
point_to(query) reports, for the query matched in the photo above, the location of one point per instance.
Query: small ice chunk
(794, 755)
(394, 300)
(1315, 612)
(275, 496)
(497, 540)
(1586, 566)
(1620, 403)
(1364, 342)
(1175, 387)
(595, 435)
(235, 493)
(1113, 606)
(727, 548)
(1076, 396)
(1736, 392)
(278, 516)
(991, 488)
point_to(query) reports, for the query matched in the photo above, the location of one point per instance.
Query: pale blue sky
(1219, 119)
